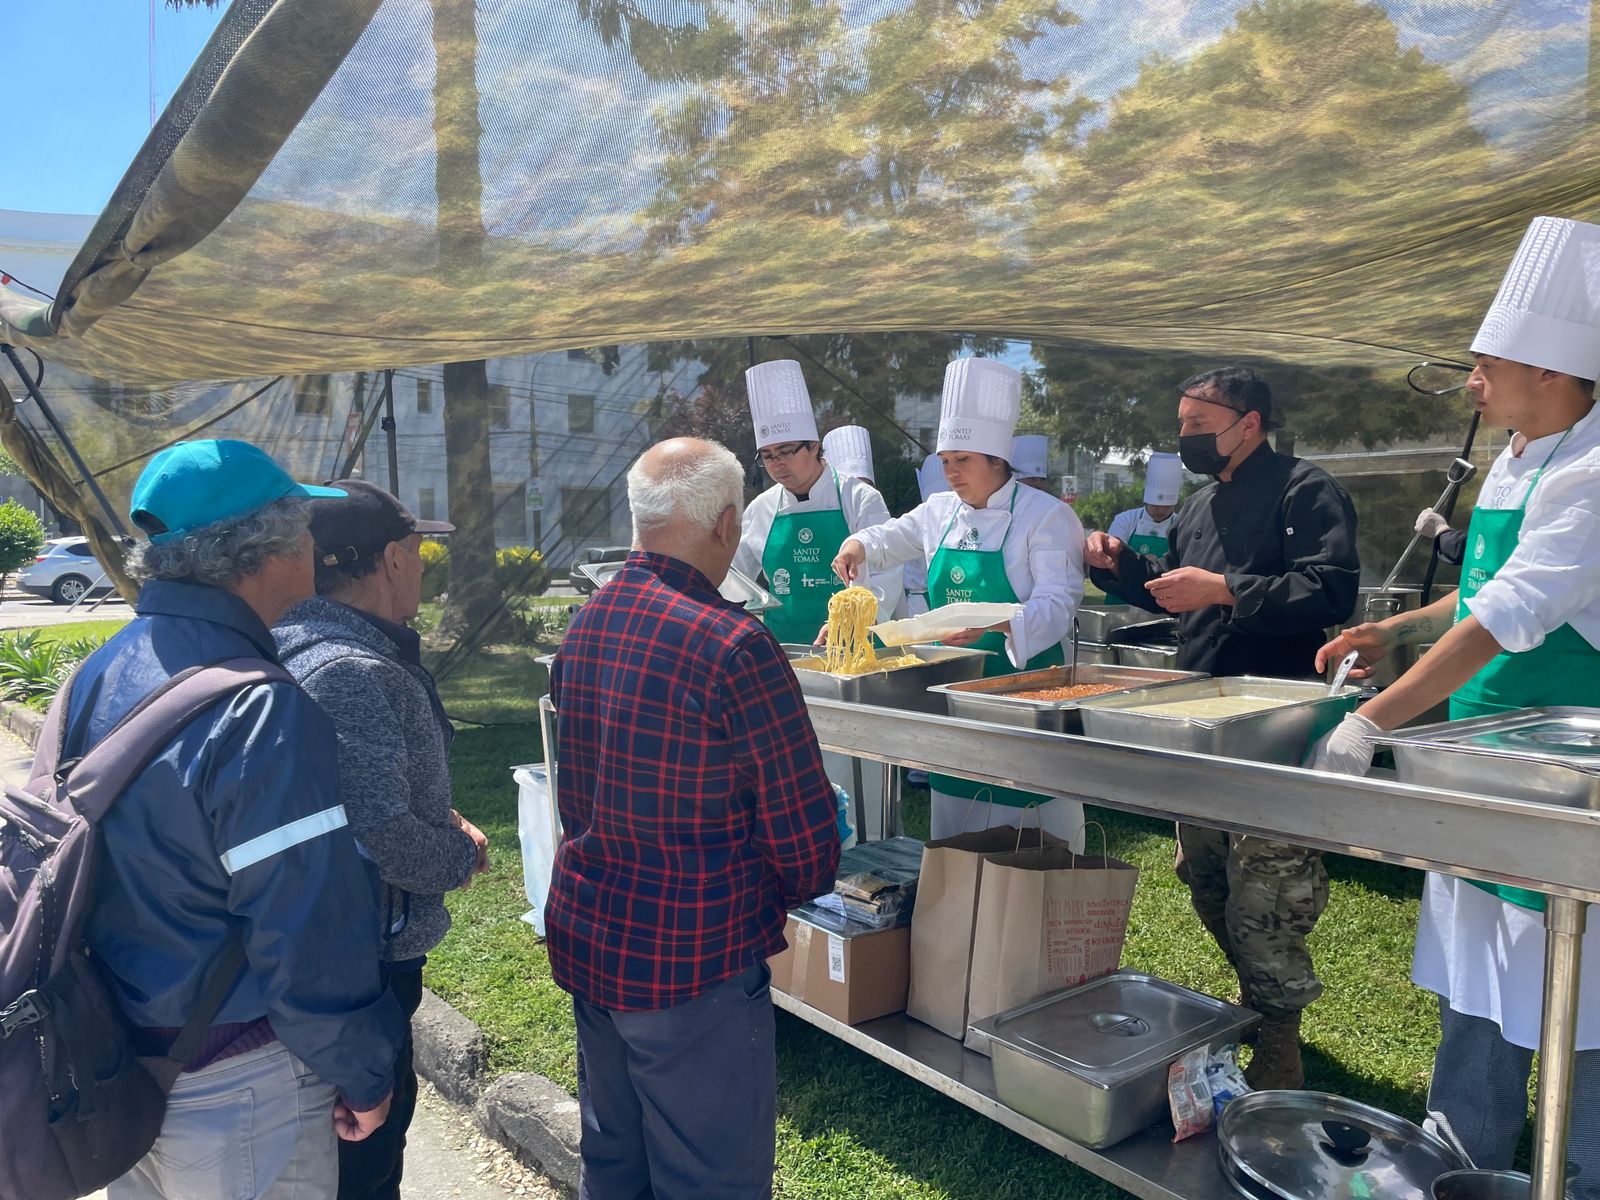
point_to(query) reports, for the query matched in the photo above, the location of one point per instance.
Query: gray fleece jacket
(394, 773)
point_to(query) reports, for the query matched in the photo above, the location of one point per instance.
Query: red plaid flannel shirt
(692, 792)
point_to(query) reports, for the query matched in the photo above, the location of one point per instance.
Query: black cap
(362, 522)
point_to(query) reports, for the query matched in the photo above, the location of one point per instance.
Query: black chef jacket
(1283, 534)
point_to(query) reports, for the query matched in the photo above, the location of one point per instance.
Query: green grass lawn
(852, 1127)
(74, 630)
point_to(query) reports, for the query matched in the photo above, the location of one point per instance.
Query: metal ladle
(1345, 663)
(1460, 471)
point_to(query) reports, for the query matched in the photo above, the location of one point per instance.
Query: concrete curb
(535, 1119)
(22, 721)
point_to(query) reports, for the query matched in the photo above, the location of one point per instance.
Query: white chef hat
(1030, 456)
(930, 477)
(1163, 476)
(848, 450)
(1547, 312)
(981, 403)
(780, 406)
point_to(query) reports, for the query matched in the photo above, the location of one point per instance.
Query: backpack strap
(105, 772)
(52, 736)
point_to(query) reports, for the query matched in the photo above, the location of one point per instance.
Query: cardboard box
(852, 979)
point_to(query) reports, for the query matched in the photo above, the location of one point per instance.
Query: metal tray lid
(1160, 633)
(1569, 737)
(1314, 1146)
(737, 588)
(1114, 1027)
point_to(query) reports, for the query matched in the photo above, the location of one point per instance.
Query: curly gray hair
(227, 551)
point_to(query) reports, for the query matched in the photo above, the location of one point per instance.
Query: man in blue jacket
(235, 831)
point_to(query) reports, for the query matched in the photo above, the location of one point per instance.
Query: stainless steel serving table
(1544, 847)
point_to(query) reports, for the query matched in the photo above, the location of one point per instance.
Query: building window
(311, 394)
(578, 356)
(585, 515)
(427, 505)
(511, 515)
(580, 413)
(499, 406)
(424, 395)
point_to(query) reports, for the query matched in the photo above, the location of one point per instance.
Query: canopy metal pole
(1564, 921)
(66, 442)
(368, 420)
(389, 431)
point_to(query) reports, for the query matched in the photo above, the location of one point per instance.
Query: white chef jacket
(863, 507)
(1553, 577)
(1137, 522)
(1482, 954)
(1043, 555)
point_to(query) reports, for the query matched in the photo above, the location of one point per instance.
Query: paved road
(25, 613)
(446, 1157)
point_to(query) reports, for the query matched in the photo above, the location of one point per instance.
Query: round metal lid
(1313, 1146)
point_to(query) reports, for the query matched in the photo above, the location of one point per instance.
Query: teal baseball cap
(190, 485)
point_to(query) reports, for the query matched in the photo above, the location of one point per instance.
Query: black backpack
(78, 1108)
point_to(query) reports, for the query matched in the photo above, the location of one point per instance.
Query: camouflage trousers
(1259, 899)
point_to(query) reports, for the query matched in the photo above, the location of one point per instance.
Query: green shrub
(520, 571)
(33, 668)
(435, 569)
(21, 538)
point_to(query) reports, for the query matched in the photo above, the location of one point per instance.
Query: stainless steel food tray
(737, 588)
(1091, 1061)
(1096, 621)
(1543, 755)
(1146, 643)
(906, 687)
(1094, 654)
(1275, 735)
(991, 699)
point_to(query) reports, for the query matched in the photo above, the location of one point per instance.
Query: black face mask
(1199, 452)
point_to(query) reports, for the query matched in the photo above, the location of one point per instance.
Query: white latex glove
(1430, 523)
(1347, 750)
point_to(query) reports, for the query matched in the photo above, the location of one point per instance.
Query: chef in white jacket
(790, 529)
(1523, 630)
(1030, 460)
(1144, 529)
(930, 481)
(988, 539)
(848, 450)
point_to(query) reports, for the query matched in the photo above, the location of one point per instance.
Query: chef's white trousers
(950, 815)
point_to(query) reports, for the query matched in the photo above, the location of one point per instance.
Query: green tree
(21, 537)
(475, 599)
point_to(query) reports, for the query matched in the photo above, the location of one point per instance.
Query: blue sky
(78, 80)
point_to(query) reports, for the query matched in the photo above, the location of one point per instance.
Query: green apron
(1562, 670)
(979, 576)
(798, 562)
(1142, 543)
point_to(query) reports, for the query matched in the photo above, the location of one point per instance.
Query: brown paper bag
(942, 922)
(1046, 919)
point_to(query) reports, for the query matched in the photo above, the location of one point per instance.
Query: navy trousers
(680, 1103)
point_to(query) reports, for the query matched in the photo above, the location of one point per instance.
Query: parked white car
(64, 571)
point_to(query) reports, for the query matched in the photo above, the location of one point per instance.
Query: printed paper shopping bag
(942, 922)
(1046, 919)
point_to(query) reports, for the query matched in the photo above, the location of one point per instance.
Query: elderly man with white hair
(696, 814)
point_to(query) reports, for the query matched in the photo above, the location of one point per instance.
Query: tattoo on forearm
(1418, 627)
